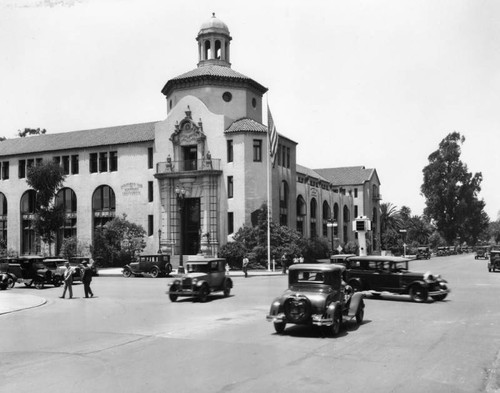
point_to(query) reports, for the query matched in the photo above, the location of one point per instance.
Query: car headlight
(276, 304)
(195, 280)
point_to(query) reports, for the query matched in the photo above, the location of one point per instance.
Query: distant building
(190, 180)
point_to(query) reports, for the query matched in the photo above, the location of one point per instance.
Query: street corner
(11, 302)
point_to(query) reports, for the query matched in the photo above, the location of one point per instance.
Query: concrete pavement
(11, 300)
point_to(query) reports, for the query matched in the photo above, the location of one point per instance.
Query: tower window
(227, 96)
(254, 103)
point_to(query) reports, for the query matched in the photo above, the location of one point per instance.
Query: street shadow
(390, 297)
(312, 331)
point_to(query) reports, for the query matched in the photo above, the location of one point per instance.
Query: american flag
(273, 136)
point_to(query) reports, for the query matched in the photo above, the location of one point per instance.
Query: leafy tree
(451, 193)
(30, 131)
(494, 231)
(71, 247)
(419, 230)
(46, 179)
(390, 223)
(119, 241)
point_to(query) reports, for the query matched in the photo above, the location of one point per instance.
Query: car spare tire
(297, 309)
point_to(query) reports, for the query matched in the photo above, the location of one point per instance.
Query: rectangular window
(356, 211)
(103, 162)
(30, 162)
(113, 161)
(38, 161)
(230, 187)
(74, 164)
(21, 169)
(5, 170)
(150, 225)
(257, 150)
(230, 150)
(278, 153)
(57, 160)
(355, 193)
(230, 222)
(65, 164)
(150, 191)
(150, 157)
(288, 157)
(284, 156)
(93, 163)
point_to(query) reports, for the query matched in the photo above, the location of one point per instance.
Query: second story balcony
(191, 167)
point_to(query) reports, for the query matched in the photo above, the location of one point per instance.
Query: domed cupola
(213, 43)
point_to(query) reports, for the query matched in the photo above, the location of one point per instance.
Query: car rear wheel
(355, 285)
(203, 294)
(11, 282)
(418, 293)
(126, 273)
(360, 314)
(39, 284)
(57, 281)
(168, 269)
(154, 272)
(279, 327)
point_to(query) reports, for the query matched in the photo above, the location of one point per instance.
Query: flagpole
(268, 192)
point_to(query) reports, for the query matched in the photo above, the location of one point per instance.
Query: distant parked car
(391, 274)
(155, 265)
(494, 262)
(31, 270)
(7, 278)
(423, 252)
(316, 295)
(203, 276)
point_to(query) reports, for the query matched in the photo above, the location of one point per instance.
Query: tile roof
(131, 133)
(346, 175)
(246, 124)
(211, 72)
(310, 172)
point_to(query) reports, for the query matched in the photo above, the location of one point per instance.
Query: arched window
(208, 53)
(29, 242)
(284, 203)
(301, 213)
(336, 218)
(103, 205)
(66, 198)
(314, 208)
(325, 218)
(218, 49)
(3, 221)
(346, 214)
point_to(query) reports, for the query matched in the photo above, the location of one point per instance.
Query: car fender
(200, 283)
(331, 309)
(276, 306)
(229, 281)
(356, 301)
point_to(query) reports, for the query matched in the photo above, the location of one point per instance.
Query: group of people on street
(86, 269)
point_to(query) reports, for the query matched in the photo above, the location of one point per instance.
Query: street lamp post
(180, 193)
(332, 223)
(159, 241)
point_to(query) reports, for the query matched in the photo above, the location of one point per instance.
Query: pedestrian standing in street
(245, 265)
(283, 263)
(301, 259)
(68, 280)
(87, 279)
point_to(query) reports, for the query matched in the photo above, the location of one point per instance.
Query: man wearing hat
(87, 278)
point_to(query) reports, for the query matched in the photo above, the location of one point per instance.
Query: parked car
(335, 258)
(443, 251)
(423, 252)
(155, 265)
(481, 252)
(58, 268)
(203, 276)
(494, 261)
(7, 278)
(78, 261)
(31, 270)
(391, 274)
(316, 295)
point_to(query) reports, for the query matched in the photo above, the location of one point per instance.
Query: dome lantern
(213, 43)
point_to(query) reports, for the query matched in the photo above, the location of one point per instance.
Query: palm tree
(390, 223)
(420, 230)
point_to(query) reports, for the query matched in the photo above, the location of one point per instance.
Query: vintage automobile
(203, 276)
(7, 278)
(390, 274)
(31, 270)
(423, 252)
(155, 265)
(57, 267)
(316, 295)
(443, 251)
(78, 261)
(481, 252)
(494, 261)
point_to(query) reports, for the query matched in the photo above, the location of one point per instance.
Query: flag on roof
(273, 136)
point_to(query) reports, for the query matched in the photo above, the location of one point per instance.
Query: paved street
(131, 338)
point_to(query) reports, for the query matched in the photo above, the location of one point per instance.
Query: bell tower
(213, 43)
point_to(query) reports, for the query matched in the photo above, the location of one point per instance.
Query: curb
(13, 302)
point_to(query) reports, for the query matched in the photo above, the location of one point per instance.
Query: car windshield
(197, 268)
(310, 277)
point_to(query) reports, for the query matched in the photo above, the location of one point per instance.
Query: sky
(372, 83)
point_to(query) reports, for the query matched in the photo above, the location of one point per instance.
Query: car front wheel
(279, 327)
(168, 269)
(356, 286)
(11, 282)
(203, 294)
(154, 272)
(418, 293)
(126, 273)
(39, 284)
(227, 288)
(337, 322)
